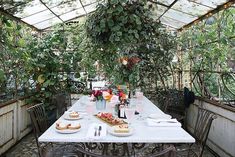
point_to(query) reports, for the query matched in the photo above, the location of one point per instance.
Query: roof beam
(159, 3)
(44, 10)
(17, 19)
(83, 6)
(23, 3)
(168, 8)
(50, 10)
(210, 13)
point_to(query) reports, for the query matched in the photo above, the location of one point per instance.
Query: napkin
(91, 131)
(163, 122)
(159, 116)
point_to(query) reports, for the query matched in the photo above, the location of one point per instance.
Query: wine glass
(130, 113)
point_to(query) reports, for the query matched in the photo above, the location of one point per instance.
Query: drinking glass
(139, 95)
(140, 109)
(130, 113)
(89, 110)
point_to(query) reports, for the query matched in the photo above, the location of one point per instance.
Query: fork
(95, 134)
(164, 120)
(100, 128)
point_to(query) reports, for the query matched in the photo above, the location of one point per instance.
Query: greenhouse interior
(109, 78)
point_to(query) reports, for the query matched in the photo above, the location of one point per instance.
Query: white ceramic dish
(67, 117)
(111, 131)
(67, 131)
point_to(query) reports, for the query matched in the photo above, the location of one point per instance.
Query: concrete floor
(27, 148)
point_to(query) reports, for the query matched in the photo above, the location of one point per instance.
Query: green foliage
(121, 23)
(122, 28)
(49, 64)
(210, 47)
(12, 43)
(28, 61)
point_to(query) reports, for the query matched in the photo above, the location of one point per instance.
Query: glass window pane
(38, 17)
(30, 9)
(87, 2)
(158, 11)
(52, 3)
(90, 8)
(190, 7)
(180, 16)
(171, 22)
(48, 23)
(210, 3)
(72, 14)
(166, 2)
(65, 8)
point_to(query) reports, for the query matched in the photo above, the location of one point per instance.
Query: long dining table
(142, 132)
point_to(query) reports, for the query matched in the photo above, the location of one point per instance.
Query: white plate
(159, 116)
(111, 131)
(67, 117)
(67, 131)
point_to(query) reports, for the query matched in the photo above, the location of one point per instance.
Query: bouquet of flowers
(98, 94)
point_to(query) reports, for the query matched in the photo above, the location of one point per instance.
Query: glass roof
(43, 14)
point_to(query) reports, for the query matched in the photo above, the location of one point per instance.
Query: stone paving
(27, 148)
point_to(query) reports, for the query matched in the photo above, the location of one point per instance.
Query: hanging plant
(121, 23)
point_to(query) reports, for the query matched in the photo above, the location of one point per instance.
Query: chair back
(203, 125)
(38, 118)
(61, 101)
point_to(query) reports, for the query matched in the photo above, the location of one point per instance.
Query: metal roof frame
(191, 18)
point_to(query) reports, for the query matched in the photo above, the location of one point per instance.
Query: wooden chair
(40, 125)
(201, 132)
(165, 152)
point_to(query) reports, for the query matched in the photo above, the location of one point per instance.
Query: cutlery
(164, 120)
(100, 128)
(95, 134)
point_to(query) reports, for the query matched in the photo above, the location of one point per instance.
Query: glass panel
(52, 3)
(38, 17)
(67, 7)
(166, 2)
(31, 8)
(210, 3)
(90, 8)
(72, 14)
(158, 11)
(48, 23)
(87, 2)
(171, 22)
(180, 16)
(190, 7)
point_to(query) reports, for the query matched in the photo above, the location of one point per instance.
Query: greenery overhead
(119, 23)
(125, 29)
(129, 45)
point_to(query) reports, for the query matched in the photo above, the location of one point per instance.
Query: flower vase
(100, 105)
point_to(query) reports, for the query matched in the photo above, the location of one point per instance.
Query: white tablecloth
(142, 132)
